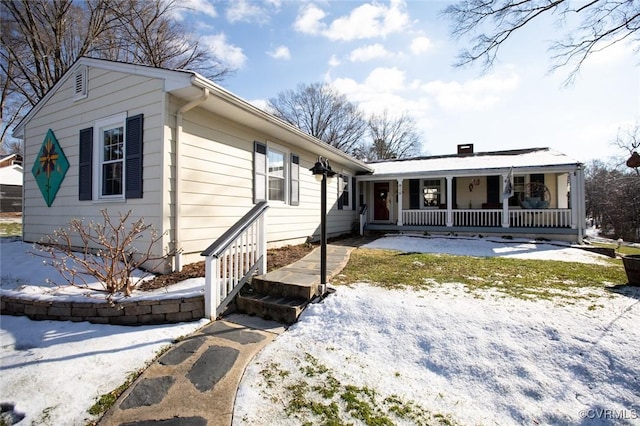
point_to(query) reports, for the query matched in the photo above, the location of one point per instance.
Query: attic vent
(465, 149)
(80, 83)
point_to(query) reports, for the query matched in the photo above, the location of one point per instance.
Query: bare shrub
(106, 252)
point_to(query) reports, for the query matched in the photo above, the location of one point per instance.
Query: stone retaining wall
(142, 312)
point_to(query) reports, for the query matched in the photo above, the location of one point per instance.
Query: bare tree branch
(41, 39)
(490, 23)
(320, 111)
(392, 137)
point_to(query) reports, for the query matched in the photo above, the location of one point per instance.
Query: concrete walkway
(195, 382)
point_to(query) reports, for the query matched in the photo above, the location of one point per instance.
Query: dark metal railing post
(323, 233)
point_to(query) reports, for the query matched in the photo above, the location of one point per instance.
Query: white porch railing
(363, 218)
(424, 217)
(485, 217)
(533, 218)
(540, 218)
(233, 259)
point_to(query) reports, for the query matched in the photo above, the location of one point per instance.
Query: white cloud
(227, 53)
(201, 7)
(246, 11)
(365, 21)
(386, 79)
(280, 52)
(477, 94)
(384, 89)
(610, 55)
(334, 61)
(309, 20)
(367, 53)
(420, 45)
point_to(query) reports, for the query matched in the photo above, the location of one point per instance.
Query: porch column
(505, 204)
(578, 209)
(449, 201)
(399, 202)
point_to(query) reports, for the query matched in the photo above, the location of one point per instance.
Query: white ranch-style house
(192, 158)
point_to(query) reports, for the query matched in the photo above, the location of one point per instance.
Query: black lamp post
(322, 171)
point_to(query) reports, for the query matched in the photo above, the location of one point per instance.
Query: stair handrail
(233, 258)
(232, 233)
(363, 221)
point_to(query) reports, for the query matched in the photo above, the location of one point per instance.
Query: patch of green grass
(317, 397)
(108, 399)
(624, 249)
(522, 278)
(10, 229)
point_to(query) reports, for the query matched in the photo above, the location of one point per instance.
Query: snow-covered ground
(477, 360)
(488, 360)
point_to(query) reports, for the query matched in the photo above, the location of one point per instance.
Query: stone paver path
(195, 382)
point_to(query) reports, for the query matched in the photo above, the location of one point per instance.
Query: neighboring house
(11, 184)
(176, 149)
(10, 160)
(465, 193)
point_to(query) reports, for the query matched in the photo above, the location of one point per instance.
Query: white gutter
(177, 240)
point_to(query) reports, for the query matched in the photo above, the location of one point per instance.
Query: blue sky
(398, 55)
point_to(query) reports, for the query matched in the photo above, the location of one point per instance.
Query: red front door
(381, 194)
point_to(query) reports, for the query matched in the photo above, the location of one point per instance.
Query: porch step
(279, 295)
(282, 295)
(287, 283)
(276, 308)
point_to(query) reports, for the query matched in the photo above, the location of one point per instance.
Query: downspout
(177, 240)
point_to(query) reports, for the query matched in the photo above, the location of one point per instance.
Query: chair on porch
(536, 195)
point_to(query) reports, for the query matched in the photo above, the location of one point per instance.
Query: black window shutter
(454, 193)
(340, 189)
(353, 193)
(259, 172)
(294, 198)
(493, 189)
(134, 156)
(85, 165)
(414, 193)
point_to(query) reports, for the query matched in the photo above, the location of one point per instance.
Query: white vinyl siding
(108, 93)
(218, 158)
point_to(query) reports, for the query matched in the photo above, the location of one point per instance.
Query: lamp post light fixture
(322, 172)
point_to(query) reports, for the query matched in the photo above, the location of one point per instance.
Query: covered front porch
(536, 201)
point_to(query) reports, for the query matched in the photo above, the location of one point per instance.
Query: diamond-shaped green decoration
(50, 167)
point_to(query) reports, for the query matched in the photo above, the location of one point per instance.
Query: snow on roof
(11, 175)
(532, 157)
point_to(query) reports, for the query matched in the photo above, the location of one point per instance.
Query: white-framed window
(518, 190)
(344, 191)
(431, 192)
(109, 157)
(276, 174)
